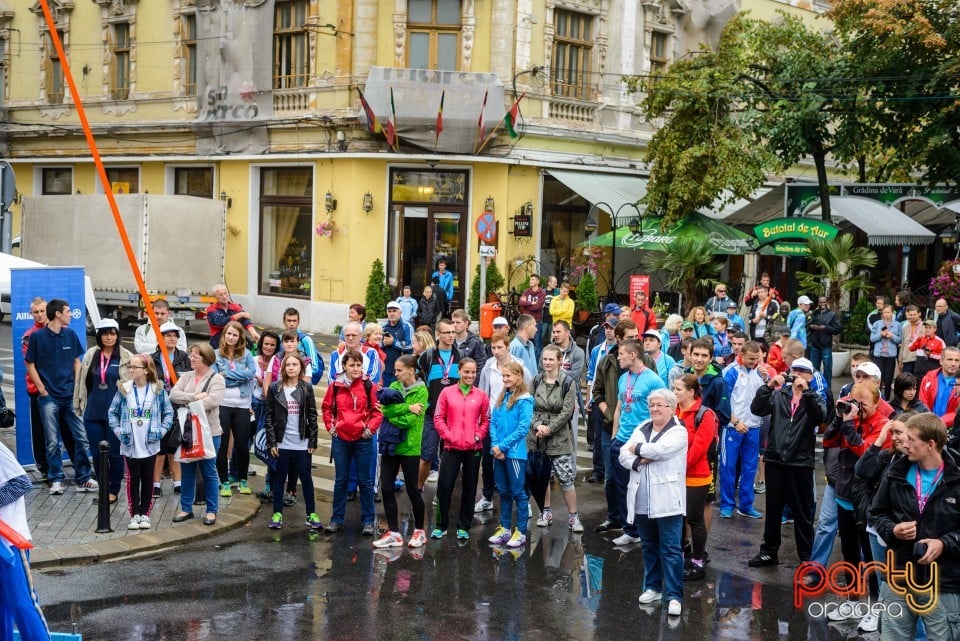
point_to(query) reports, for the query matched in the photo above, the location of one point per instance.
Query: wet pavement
(255, 584)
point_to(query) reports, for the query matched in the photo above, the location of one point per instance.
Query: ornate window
(120, 50)
(52, 84)
(658, 55)
(433, 34)
(291, 45)
(188, 39)
(572, 47)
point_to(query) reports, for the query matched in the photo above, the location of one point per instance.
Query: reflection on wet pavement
(255, 585)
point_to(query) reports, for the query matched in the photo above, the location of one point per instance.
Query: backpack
(712, 452)
(564, 386)
(316, 362)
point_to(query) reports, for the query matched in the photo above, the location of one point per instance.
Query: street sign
(488, 251)
(486, 227)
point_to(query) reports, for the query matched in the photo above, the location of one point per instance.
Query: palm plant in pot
(685, 265)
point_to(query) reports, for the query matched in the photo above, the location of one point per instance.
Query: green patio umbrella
(724, 238)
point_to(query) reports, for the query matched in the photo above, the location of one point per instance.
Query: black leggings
(450, 463)
(855, 545)
(236, 421)
(696, 505)
(140, 484)
(389, 467)
(888, 369)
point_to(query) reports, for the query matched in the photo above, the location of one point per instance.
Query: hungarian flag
(510, 120)
(373, 125)
(391, 132)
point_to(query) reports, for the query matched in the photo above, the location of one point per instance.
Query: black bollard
(103, 500)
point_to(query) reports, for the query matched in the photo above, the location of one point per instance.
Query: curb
(242, 510)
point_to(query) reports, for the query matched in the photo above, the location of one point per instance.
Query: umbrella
(724, 238)
(539, 469)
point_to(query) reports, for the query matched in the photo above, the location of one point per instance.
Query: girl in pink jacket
(462, 419)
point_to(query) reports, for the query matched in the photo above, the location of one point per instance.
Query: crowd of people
(708, 411)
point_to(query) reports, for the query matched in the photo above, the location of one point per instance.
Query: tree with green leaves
(772, 94)
(839, 263)
(686, 265)
(379, 292)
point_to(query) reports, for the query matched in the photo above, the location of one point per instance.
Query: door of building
(419, 237)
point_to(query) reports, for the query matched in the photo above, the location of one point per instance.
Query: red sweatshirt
(462, 421)
(354, 411)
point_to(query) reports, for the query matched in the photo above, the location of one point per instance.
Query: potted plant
(379, 293)
(587, 300)
(838, 265)
(495, 281)
(685, 266)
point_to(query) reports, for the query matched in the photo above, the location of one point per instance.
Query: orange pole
(121, 228)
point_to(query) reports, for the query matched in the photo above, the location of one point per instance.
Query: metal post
(103, 500)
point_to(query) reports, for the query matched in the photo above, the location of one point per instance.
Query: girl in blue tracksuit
(509, 424)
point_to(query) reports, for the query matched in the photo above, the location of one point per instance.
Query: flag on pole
(480, 131)
(513, 115)
(391, 133)
(373, 125)
(443, 94)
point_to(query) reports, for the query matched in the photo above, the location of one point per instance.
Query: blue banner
(27, 284)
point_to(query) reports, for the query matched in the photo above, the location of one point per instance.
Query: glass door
(448, 243)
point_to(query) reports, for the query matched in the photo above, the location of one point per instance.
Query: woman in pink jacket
(462, 419)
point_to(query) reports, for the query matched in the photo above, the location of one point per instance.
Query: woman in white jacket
(656, 456)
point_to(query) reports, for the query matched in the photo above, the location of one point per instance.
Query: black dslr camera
(845, 407)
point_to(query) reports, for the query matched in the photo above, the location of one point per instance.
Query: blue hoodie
(509, 426)
(715, 394)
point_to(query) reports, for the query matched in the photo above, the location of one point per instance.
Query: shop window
(286, 231)
(433, 34)
(56, 181)
(291, 55)
(572, 48)
(124, 180)
(193, 181)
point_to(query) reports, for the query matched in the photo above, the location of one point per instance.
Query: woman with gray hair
(656, 456)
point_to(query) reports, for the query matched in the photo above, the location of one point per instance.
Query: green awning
(724, 238)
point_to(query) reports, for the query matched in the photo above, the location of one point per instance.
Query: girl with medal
(140, 415)
(101, 368)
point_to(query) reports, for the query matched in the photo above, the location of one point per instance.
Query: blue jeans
(609, 487)
(939, 623)
(55, 412)
(745, 448)
(823, 355)
(662, 554)
(621, 477)
(211, 482)
(345, 453)
(509, 476)
(352, 485)
(826, 533)
(97, 431)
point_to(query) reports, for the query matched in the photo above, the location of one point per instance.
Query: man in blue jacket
(397, 340)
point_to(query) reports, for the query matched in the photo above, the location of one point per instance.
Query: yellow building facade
(257, 103)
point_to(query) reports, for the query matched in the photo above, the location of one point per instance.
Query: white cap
(804, 300)
(393, 305)
(500, 320)
(802, 363)
(108, 323)
(169, 326)
(869, 368)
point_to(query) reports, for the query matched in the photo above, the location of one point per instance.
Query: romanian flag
(373, 125)
(480, 119)
(439, 128)
(510, 120)
(391, 133)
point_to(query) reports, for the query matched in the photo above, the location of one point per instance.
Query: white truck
(178, 242)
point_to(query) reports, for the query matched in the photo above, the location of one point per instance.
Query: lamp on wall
(368, 202)
(528, 208)
(227, 199)
(589, 227)
(488, 204)
(329, 202)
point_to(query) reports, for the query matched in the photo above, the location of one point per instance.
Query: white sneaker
(545, 519)
(517, 539)
(483, 505)
(574, 523)
(389, 540)
(144, 522)
(650, 596)
(674, 609)
(56, 488)
(843, 612)
(869, 623)
(134, 523)
(89, 486)
(626, 539)
(432, 476)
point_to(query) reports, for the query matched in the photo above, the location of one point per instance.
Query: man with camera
(795, 411)
(915, 512)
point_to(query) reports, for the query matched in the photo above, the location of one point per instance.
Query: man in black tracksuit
(921, 526)
(795, 412)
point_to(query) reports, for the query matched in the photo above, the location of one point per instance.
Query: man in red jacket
(938, 389)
